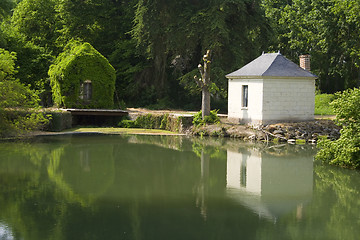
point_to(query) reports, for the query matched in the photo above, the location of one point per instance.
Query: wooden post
(204, 83)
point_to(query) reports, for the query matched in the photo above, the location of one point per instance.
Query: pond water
(172, 187)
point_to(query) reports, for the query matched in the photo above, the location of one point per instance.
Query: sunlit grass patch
(122, 131)
(322, 104)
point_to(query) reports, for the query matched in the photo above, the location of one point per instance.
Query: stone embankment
(301, 132)
(304, 131)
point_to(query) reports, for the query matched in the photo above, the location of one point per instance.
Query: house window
(86, 90)
(245, 96)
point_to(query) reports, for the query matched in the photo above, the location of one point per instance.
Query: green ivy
(151, 121)
(78, 63)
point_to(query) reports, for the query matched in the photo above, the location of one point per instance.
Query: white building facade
(271, 89)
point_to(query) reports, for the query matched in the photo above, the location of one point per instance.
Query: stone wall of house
(253, 113)
(271, 100)
(288, 100)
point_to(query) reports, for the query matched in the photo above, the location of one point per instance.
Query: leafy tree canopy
(326, 29)
(174, 35)
(15, 95)
(36, 21)
(7, 65)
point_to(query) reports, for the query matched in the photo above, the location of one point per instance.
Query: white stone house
(271, 89)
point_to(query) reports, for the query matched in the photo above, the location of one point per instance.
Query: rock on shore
(308, 132)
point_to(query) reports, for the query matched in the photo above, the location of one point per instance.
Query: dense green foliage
(152, 45)
(154, 121)
(5, 8)
(7, 65)
(178, 33)
(322, 104)
(326, 29)
(212, 118)
(18, 103)
(346, 150)
(80, 62)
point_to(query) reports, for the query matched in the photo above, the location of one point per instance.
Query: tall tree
(204, 84)
(80, 19)
(324, 28)
(36, 22)
(174, 34)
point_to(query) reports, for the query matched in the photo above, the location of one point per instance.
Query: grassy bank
(322, 104)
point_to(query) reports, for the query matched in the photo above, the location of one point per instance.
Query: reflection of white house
(271, 88)
(5, 232)
(269, 185)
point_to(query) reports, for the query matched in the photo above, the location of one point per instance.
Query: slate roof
(271, 65)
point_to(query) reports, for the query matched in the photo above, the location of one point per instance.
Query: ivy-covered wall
(78, 63)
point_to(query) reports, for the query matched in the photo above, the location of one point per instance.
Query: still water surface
(158, 187)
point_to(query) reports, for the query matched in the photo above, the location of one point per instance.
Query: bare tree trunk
(205, 105)
(204, 83)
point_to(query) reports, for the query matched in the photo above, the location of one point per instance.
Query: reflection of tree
(37, 185)
(202, 187)
(27, 202)
(343, 185)
(209, 180)
(135, 221)
(82, 172)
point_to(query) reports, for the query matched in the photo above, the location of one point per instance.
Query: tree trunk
(204, 83)
(205, 106)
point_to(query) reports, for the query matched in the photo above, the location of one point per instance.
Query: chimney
(305, 62)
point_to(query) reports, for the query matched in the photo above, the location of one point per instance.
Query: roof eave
(271, 77)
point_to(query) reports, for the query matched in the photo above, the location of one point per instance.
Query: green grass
(322, 104)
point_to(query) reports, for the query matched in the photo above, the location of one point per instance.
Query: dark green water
(152, 187)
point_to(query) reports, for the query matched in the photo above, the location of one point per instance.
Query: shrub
(126, 123)
(344, 151)
(212, 118)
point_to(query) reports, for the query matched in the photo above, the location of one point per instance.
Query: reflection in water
(202, 187)
(271, 185)
(82, 171)
(84, 160)
(5, 232)
(145, 187)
